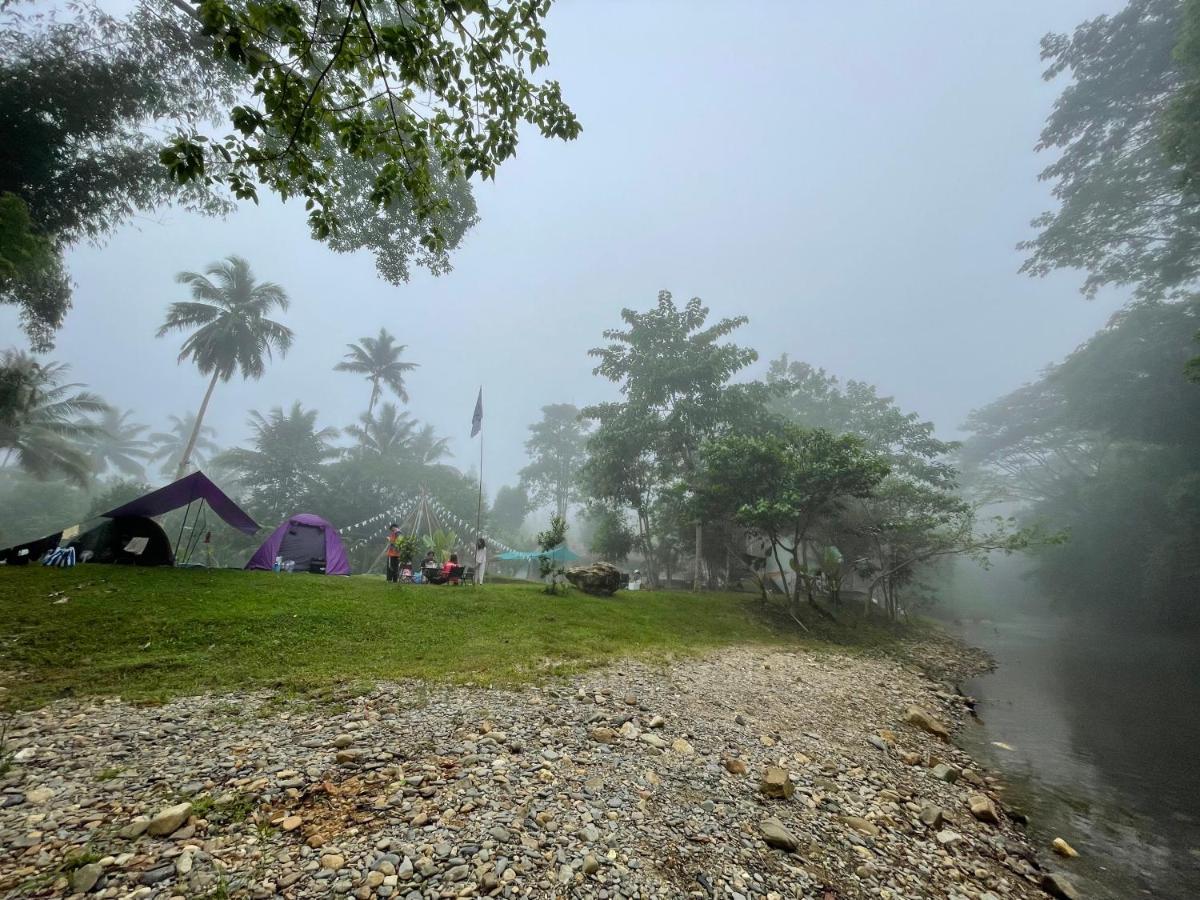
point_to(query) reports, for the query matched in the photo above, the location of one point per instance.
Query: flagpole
(479, 504)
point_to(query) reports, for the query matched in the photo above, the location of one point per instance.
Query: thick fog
(854, 179)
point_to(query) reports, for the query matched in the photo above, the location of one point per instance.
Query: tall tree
(1105, 446)
(41, 424)
(117, 443)
(510, 509)
(389, 435)
(674, 375)
(1124, 216)
(232, 333)
(171, 445)
(379, 360)
(557, 450)
(812, 398)
(427, 448)
(784, 482)
(289, 453)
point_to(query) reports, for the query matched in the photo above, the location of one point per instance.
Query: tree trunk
(779, 566)
(375, 392)
(191, 444)
(699, 546)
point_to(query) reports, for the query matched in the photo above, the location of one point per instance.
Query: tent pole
(179, 537)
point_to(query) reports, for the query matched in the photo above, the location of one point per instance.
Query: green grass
(151, 634)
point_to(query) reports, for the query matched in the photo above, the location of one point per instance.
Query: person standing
(393, 552)
(480, 559)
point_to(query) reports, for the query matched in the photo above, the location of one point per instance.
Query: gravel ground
(629, 781)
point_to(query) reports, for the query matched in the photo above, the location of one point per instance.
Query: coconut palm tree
(41, 421)
(232, 332)
(118, 443)
(389, 434)
(170, 445)
(287, 459)
(427, 448)
(378, 358)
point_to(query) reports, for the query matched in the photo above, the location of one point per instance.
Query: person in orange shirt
(393, 552)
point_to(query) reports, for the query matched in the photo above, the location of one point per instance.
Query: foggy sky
(853, 177)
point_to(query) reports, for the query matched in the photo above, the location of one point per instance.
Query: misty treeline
(376, 116)
(792, 485)
(1105, 443)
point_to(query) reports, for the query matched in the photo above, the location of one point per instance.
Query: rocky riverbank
(743, 774)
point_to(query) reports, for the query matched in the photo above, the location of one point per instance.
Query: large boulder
(601, 579)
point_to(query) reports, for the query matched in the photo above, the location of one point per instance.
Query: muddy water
(1098, 733)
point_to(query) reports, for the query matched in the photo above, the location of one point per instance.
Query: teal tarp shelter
(562, 553)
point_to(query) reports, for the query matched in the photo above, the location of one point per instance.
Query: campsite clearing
(151, 634)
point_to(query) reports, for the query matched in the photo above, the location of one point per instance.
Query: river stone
(983, 809)
(84, 878)
(776, 783)
(39, 796)
(591, 865)
(862, 826)
(1062, 848)
(136, 828)
(946, 772)
(734, 766)
(604, 735)
(653, 740)
(333, 861)
(601, 579)
(931, 815)
(168, 820)
(1056, 884)
(776, 835)
(948, 838)
(679, 745)
(154, 876)
(915, 715)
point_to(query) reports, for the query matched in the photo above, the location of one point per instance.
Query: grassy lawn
(149, 634)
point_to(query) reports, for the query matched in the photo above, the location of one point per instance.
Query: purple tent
(308, 541)
(183, 492)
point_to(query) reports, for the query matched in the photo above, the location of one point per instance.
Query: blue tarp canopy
(562, 553)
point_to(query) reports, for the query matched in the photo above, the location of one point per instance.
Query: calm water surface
(1104, 728)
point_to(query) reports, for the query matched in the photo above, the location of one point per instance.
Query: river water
(1104, 731)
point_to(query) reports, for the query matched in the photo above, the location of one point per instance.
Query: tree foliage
(411, 90)
(557, 450)
(229, 311)
(169, 445)
(783, 483)
(79, 98)
(509, 510)
(1124, 216)
(379, 360)
(288, 452)
(550, 569)
(117, 443)
(43, 419)
(1105, 446)
(674, 372)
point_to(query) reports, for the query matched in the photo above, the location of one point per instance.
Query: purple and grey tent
(308, 541)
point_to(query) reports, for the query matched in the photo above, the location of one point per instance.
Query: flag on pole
(477, 419)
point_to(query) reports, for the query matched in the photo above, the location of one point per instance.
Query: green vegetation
(150, 634)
